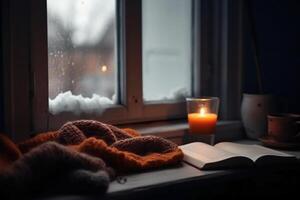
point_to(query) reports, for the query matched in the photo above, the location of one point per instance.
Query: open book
(226, 155)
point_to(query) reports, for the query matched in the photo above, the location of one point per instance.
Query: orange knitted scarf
(122, 149)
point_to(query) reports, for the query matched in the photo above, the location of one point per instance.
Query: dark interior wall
(1, 75)
(277, 25)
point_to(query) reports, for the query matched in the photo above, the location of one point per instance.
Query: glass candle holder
(202, 114)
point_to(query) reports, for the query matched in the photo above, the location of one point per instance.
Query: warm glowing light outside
(104, 68)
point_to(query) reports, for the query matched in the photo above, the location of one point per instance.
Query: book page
(200, 154)
(254, 152)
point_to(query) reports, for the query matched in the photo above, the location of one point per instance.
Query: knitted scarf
(83, 156)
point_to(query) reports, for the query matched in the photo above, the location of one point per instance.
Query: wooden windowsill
(175, 130)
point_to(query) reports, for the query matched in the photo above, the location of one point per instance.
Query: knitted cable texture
(91, 149)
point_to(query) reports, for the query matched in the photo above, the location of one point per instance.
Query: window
(82, 64)
(167, 49)
(88, 74)
(152, 57)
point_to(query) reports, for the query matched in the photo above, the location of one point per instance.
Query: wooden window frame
(217, 48)
(131, 107)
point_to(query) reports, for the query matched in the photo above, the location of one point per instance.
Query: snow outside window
(82, 64)
(81, 55)
(167, 40)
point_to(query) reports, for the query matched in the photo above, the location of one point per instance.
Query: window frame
(131, 108)
(26, 71)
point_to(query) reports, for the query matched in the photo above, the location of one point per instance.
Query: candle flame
(202, 111)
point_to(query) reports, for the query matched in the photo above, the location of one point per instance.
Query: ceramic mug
(254, 111)
(284, 127)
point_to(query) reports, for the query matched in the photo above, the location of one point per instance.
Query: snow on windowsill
(77, 104)
(178, 93)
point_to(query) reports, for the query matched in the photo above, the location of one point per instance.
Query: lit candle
(202, 122)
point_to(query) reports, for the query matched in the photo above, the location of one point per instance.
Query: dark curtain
(1, 73)
(277, 25)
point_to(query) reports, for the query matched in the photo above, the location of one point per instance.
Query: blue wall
(277, 25)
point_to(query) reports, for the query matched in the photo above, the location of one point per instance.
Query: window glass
(81, 55)
(167, 26)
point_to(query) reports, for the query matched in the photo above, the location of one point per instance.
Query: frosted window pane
(81, 55)
(166, 49)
